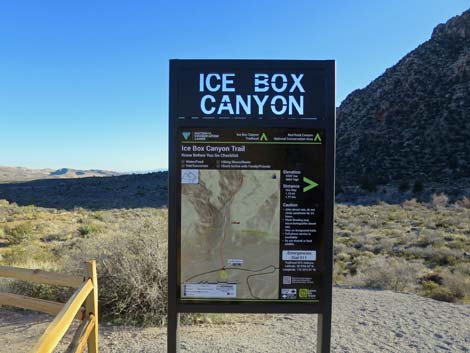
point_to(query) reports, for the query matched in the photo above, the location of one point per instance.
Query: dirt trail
(364, 321)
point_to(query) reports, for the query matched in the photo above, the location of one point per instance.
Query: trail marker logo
(186, 134)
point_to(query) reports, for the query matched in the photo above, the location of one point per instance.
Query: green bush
(18, 234)
(89, 228)
(437, 292)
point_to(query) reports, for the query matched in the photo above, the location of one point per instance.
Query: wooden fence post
(91, 305)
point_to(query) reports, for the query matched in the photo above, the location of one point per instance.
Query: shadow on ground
(96, 193)
(151, 190)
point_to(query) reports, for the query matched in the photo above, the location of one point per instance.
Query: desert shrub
(446, 285)
(41, 291)
(18, 234)
(382, 245)
(430, 237)
(387, 273)
(410, 204)
(439, 201)
(28, 255)
(99, 215)
(434, 256)
(54, 237)
(89, 228)
(432, 277)
(14, 255)
(437, 292)
(457, 283)
(339, 272)
(464, 203)
(132, 271)
(463, 268)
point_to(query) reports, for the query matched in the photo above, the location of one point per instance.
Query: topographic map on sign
(230, 234)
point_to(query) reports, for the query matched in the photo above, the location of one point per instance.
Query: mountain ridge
(411, 123)
(18, 174)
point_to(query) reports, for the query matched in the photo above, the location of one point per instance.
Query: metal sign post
(251, 194)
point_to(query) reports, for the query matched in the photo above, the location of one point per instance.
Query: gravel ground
(363, 321)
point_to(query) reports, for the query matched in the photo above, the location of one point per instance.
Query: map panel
(231, 225)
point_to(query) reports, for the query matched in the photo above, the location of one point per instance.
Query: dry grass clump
(132, 269)
(464, 203)
(439, 200)
(19, 233)
(391, 273)
(457, 283)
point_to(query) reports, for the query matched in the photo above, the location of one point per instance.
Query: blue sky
(84, 84)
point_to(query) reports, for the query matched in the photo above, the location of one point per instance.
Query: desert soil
(363, 321)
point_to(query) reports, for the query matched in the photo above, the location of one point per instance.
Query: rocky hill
(411, 125)
(13, 174)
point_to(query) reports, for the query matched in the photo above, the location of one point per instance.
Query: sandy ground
(363, 321)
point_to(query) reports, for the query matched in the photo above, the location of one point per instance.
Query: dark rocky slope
(413, 122)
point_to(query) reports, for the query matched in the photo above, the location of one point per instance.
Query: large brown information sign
(251, 189)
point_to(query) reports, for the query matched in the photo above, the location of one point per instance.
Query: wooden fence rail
(82, 305)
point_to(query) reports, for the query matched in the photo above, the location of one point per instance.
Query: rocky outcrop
(413, 122)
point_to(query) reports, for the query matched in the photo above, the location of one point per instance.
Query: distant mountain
(411, 125)
(123, 191)
(145, 171)
(12, 174)
(75, 173)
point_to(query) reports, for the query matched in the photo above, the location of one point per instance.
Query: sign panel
(251, 213)
(251, 185)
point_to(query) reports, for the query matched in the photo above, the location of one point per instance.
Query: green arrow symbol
(311, 184)
(263, 137)
(317, 138)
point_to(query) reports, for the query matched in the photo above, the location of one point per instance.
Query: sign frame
(324, 307)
